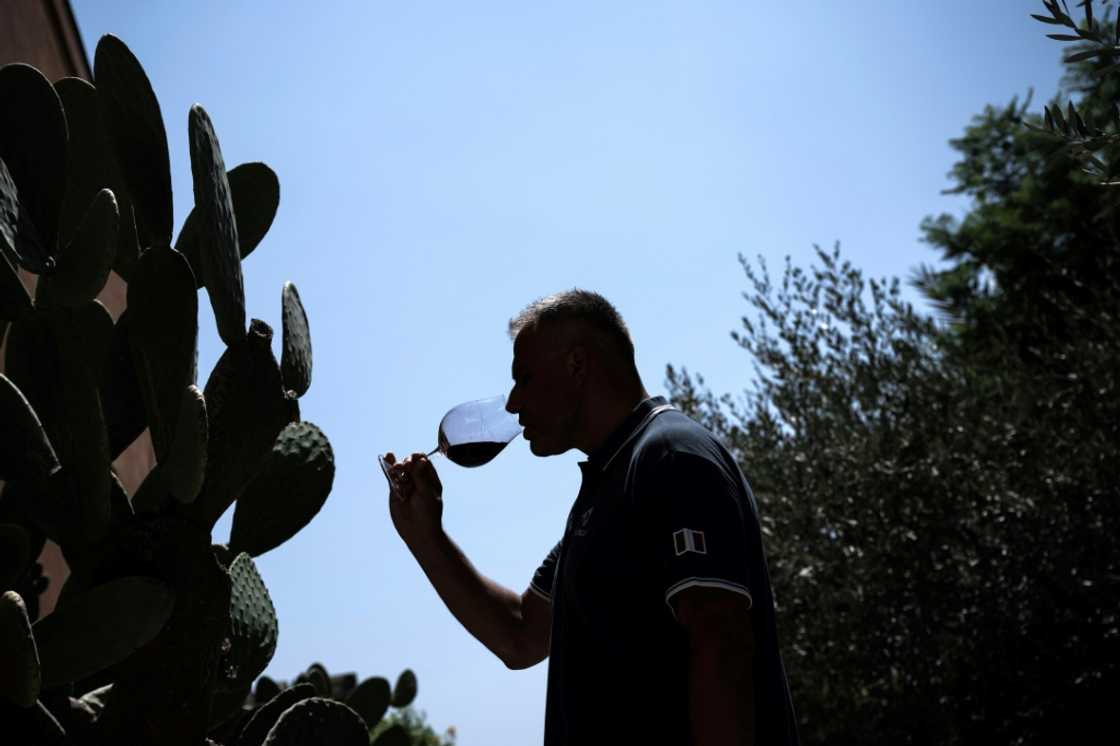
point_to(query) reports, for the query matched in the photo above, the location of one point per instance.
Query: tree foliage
(415, 724)
(940, 494)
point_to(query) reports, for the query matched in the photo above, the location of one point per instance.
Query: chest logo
(689, 540)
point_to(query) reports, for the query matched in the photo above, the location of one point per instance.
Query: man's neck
(604, 415)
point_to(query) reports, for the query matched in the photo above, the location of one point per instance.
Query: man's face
(547, 389)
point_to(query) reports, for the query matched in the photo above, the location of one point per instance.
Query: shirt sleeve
(701, 535)
(543, 578)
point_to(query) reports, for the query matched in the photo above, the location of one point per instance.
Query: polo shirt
(662, 507)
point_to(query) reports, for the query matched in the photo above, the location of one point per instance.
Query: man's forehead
(523, 349)
(533, 343)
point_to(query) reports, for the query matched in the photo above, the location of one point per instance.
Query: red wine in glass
(472, 433)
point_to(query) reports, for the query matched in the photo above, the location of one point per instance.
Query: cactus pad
(83, 266)
(371, 699)
(92, 167)
(33, 145)
(163, 308)
(163, 695)
(295, 362)
(134, 124)
(265, 689)
(318, 721)
(186, 461)
(290, 489)
(25, 449)
(255, 192)
(247, 410)
(405, 690)
(318, 677)
(48, 358)
(101, 627)
(20, 674)
(262, 721)
(252, 626)
(221, 257)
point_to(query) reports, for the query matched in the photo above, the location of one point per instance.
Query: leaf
(394, 735)
(1059, 120)
(1079, 56)
(1078, 122)
(1063, 37)
(1046, 19)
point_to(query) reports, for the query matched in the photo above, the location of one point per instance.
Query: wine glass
(472, 433)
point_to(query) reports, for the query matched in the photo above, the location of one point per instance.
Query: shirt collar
(601, 456)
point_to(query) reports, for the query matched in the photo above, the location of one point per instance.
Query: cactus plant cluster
(158, 629)
(318, 707)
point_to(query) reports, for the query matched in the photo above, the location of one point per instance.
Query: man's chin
(538, 448)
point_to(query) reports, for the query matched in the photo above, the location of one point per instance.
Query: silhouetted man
(655, 608)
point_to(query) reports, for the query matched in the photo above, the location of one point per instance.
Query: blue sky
(443, 164)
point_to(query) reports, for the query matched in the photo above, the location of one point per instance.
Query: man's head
(573, 367)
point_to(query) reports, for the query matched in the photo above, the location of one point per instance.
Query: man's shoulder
(673, 434)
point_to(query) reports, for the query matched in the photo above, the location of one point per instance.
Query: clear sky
(443, 164)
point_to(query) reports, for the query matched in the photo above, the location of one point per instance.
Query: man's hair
(609, 331)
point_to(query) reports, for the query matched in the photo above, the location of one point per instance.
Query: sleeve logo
(688, 540)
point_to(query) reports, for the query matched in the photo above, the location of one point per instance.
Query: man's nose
(511, 402)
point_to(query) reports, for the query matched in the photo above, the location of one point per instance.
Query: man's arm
(515, 628)
(721, 650)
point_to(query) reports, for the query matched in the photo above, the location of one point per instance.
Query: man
(655, 608)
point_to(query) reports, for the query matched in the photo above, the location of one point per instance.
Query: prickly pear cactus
(370, 700)
(159, 631)
(318, 720)
(21, 676)
(264, 717)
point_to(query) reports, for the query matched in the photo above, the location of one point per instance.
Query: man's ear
(577, 362)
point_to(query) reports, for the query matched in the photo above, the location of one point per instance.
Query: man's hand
(516, 628)
(415, 499)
